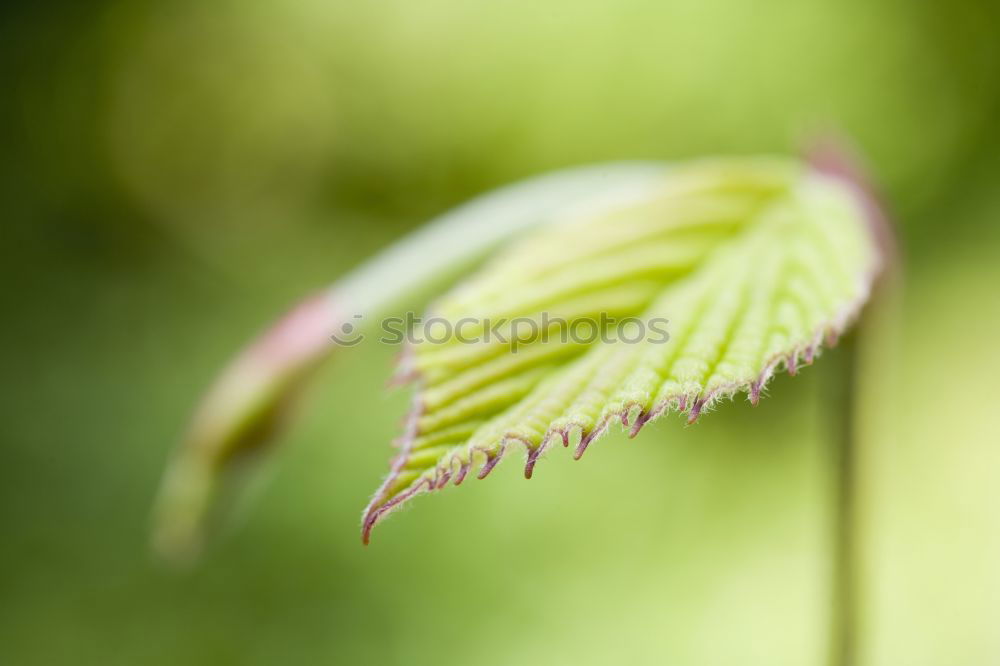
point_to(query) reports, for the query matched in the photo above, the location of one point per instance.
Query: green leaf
(754, 263)
(245, 409)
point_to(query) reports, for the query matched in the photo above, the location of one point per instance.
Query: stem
(843, 452)
(864, 354)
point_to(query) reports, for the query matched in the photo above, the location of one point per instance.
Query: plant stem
(844, 458)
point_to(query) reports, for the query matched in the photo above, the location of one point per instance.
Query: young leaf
(245, 408)
(752, 264)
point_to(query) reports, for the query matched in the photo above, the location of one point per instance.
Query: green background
(173, 175)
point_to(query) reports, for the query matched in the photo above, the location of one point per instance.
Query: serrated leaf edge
(456, 470)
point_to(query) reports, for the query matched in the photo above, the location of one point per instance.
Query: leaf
(754, 262)
(248, 404)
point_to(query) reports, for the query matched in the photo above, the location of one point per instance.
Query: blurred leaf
(247, 407)
(748, 265)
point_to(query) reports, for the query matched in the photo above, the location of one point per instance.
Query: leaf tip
(492, 458)
(533, 455)
(696, 410)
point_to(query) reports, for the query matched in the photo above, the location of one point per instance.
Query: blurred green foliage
(174, 173)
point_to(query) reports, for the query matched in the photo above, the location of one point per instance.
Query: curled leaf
(246, 407)
(736, 269)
